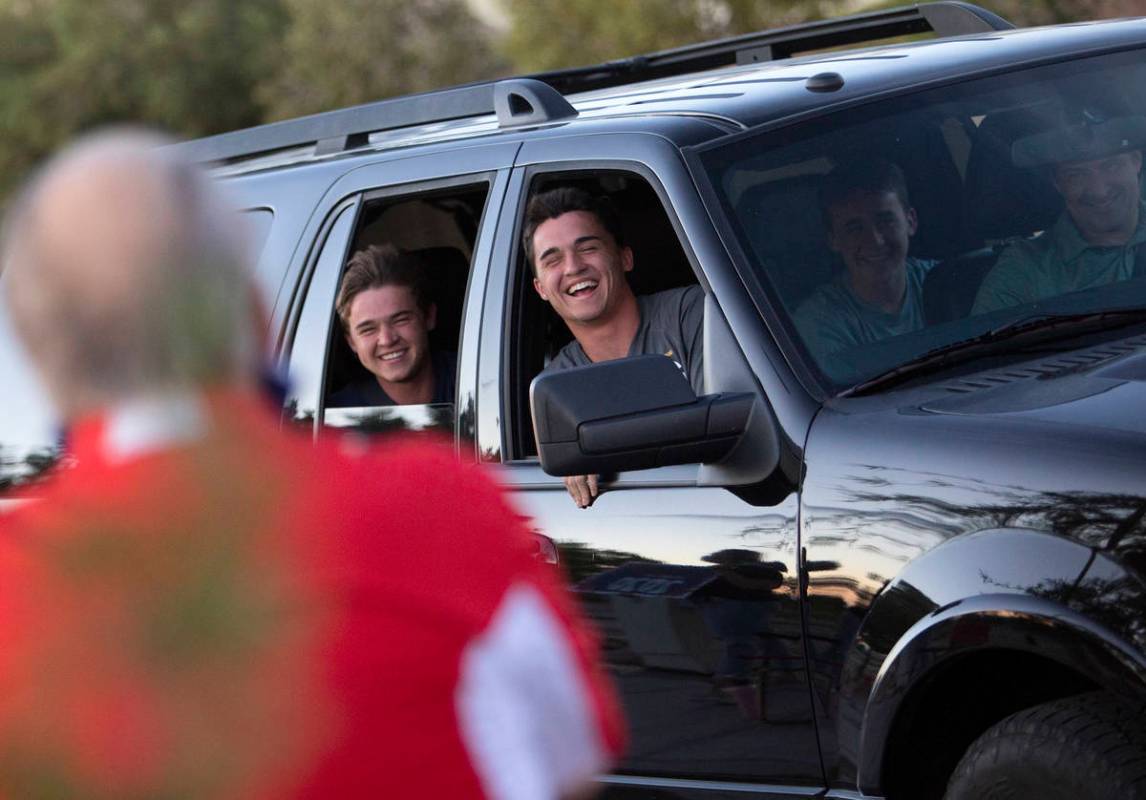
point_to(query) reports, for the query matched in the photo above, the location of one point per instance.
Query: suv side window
(659, 263)
(29, 442)
(439, 228)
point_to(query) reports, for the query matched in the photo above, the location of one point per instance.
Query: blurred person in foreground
(206, 606)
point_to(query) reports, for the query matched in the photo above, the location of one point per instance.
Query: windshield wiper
(1024, 330)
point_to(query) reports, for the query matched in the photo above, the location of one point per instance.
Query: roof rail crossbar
(958, 19)
(947, 18)
(515, 102)
(523, 101)
(357, 121)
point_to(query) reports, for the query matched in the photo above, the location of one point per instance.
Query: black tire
(1087, 747)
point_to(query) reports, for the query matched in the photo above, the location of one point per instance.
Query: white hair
(126, 273)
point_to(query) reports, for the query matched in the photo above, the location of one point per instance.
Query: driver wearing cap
(1096, 165)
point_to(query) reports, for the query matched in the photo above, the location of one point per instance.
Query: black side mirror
(633, 413)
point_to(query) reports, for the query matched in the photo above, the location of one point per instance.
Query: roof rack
(537, 99)
(516, 102)
(942, 18)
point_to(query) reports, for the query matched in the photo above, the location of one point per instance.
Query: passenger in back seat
(1100, 238)
(869, 222)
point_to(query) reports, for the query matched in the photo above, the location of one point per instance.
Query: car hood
(1110, 396)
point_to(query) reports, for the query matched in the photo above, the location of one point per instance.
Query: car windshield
(903, 227)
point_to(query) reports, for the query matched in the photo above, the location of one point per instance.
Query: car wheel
(1088, 747)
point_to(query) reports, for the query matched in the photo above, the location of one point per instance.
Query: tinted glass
(1017, 196)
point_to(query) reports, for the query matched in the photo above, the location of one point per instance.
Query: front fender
(998, 621)
(993, 561)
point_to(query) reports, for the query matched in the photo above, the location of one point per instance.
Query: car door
(401, 199)
(695, 590)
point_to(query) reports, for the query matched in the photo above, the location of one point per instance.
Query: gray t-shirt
(671, 325)
(834, 319)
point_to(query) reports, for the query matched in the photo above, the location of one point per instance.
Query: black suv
(912, 568)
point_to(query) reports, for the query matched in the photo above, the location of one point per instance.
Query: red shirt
(207, 606)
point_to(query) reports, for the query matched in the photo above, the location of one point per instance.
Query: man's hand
(582, 488)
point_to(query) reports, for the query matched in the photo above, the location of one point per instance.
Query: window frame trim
(301, 296)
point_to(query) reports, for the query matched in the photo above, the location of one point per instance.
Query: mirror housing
(632, 413)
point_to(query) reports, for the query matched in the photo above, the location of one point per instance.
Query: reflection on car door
(696, 596)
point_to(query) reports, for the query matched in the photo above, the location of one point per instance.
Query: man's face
(580, 269)
(871, 232)
(1102, 195)
(389, 333)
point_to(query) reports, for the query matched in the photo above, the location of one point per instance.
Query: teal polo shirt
(1055, 263)
(833, 318)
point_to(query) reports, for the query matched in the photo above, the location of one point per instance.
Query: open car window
(434, 229)
(659, 263)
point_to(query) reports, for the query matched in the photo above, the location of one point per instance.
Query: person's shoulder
(819, 306)
(693, 291)
(677, 296)
(920, 266)
(671, 310)
(917, 270)
(417, 495)
(361, 392)
(569, 356)
(828, 319)
(347, 396)
(1018, 259)
(409, 467)
(1010, 281)
(1026, 251)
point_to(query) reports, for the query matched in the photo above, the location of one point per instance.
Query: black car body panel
(960, 528)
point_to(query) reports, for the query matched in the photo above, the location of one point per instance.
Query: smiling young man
(576, 245)
(387, 317)
(879, 294)
(1095, 164)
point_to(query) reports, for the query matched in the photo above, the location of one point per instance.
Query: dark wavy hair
(552, 203)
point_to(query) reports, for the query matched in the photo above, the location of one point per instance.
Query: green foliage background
(197, 67)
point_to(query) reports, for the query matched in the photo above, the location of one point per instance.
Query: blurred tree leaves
(204, 66)
(1053, 12)
(550, 34)
(186, 65)
(355, 51)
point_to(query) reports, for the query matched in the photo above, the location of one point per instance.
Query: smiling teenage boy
(869, 223)
(576, 245)
(387, 317)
